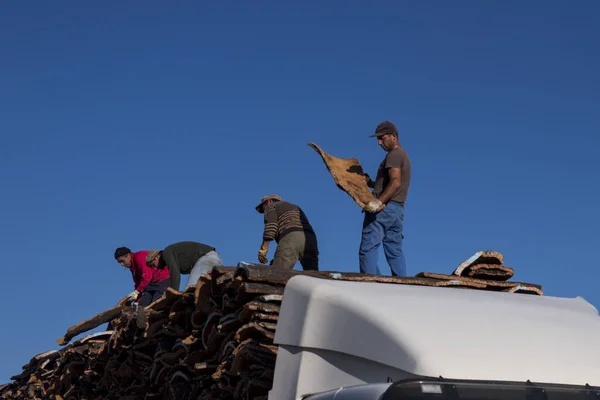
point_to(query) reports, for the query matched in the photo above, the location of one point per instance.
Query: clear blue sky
(142, 124)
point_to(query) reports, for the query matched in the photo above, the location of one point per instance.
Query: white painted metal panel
(449, 332)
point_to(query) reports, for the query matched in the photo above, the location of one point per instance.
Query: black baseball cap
(384, 128)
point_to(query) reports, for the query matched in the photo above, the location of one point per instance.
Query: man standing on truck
(150, 283)
(384, 217)
(296, 240)
(191, 258)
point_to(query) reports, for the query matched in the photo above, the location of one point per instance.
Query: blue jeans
(383, 227)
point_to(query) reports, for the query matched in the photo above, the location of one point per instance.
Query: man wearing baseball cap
(288, 226)
(384, 217)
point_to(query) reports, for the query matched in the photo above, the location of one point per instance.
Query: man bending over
(183, 258)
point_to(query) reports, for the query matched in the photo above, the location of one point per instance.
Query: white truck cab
(348, 340)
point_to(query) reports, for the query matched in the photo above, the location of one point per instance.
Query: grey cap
(151, 255)
(384, 128)
(266, 198)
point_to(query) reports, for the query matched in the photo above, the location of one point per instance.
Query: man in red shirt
(149, 283)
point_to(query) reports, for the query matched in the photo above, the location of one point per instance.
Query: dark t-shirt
(180, 257)
(396, 158)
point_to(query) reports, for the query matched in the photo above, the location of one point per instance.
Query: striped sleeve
(270, 232)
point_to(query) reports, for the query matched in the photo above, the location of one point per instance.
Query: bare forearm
(389, 191)
(174, 274)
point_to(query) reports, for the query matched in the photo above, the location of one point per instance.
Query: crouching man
(149, 283)
(288, 226)
(184, 258)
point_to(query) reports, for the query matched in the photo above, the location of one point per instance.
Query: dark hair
(121, 251)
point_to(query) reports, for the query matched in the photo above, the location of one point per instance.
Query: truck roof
(449, 332)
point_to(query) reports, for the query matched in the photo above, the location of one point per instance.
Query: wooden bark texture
(513, 287)
(348, 175)
(93, 322)
(485, 265)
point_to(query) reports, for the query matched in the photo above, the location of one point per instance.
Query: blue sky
(142, 124)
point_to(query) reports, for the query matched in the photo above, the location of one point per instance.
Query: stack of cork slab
(486, 268)
(214, 341)
(485, 265)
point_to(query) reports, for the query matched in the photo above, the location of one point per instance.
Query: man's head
(387, 135)
(267, 201)
(154, 258)
(123, 256)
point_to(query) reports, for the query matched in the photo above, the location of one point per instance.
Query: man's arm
(169, 259)
(270, 225)
(269, 234)
(145, 273)
(395, 180)
(262, 252)
(146, 277)
(175, 277)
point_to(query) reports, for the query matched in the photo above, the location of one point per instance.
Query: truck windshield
(486, 390)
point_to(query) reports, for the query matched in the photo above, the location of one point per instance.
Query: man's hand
(262, 258)
(370, 182)
(374, 206)
(133, 295)
(262, 253)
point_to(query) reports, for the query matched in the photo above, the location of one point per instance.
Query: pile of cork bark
(214, 341)
(485, 270)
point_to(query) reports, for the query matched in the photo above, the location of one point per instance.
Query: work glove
(133, 295)
(262, 254)
(262, 258)
(373, 206)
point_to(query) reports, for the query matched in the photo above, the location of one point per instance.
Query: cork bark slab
(93, 322)
(261, 274)
(268, 274)
(348, 175)
(490, 271)
(202, 295)
(248, 290)
(481, 257)
(512, 287)
(524, 289)
(357, 277)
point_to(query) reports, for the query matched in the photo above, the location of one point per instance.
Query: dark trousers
(153, 292)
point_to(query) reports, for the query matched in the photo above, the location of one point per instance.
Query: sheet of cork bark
(348, 175)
